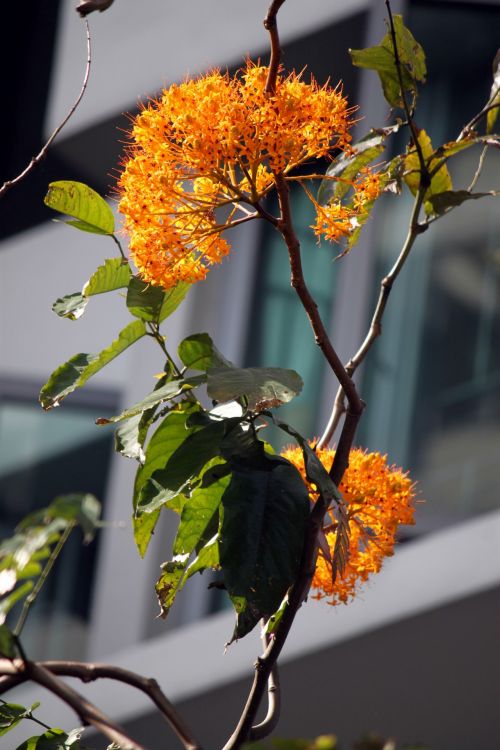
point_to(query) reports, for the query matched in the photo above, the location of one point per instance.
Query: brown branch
(43, 152)
(269, 724)
(90, 672)
(375, 328)
(271, 25)
(87, 712)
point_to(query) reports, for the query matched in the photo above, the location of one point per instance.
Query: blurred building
(416, 655)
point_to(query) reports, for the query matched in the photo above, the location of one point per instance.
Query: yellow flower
(210, 147)
(379, 499)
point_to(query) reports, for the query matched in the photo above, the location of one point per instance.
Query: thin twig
(375, 329)
(424, 173)
(478, 171)
(32, 596)
(89, 714)
(269, 724)
(43, 152)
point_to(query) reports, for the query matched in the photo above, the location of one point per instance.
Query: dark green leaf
(76, 371)
(494, 99)
(78, 200)
(265, 512)
(144, 300)
(263, 387)
(8, 648)
(381, 58)
(451, 198)
(197, 352)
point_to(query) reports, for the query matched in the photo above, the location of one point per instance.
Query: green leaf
(381, 58)
(76, 371)
(494, 99)
(52, 739)
(184, 464)
(207, 557)
(346, 167)
(452, 198)
(172, 299)
(11, 714)
(71, 306)
(440, 181)
(265, 511)
(166, 393)
(127, 438)
(197, 352)
(79, 508)
(8, 602)
(197, 516)
(170, 434)
(8, 647)
(144, 300)
(91, 212)
(113, 274)
(263, 387)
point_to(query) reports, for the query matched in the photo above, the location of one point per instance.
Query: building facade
(416, 655)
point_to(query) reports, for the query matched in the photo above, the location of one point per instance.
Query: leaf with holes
(90, 212)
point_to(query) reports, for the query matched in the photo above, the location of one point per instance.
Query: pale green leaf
(86, 206)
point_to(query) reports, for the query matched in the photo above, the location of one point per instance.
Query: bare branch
(88, 713)
(269, 724)
(43, 152)
(90, 672)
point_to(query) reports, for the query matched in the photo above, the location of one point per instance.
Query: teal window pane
(43, 456)
(432, 381)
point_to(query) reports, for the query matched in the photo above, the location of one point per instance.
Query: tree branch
(271, 25)
(90, 672)
(43, 152)
(375, 328)
(259, 731)
(89, 714)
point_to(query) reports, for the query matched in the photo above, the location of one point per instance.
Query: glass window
(432, 380)
(42, 456)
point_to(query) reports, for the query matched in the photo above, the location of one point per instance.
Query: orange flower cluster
(380, 498)
(209, 148)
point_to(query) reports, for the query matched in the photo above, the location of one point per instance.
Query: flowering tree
(202, 159)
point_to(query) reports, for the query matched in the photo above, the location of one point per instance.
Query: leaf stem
(32, 596)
